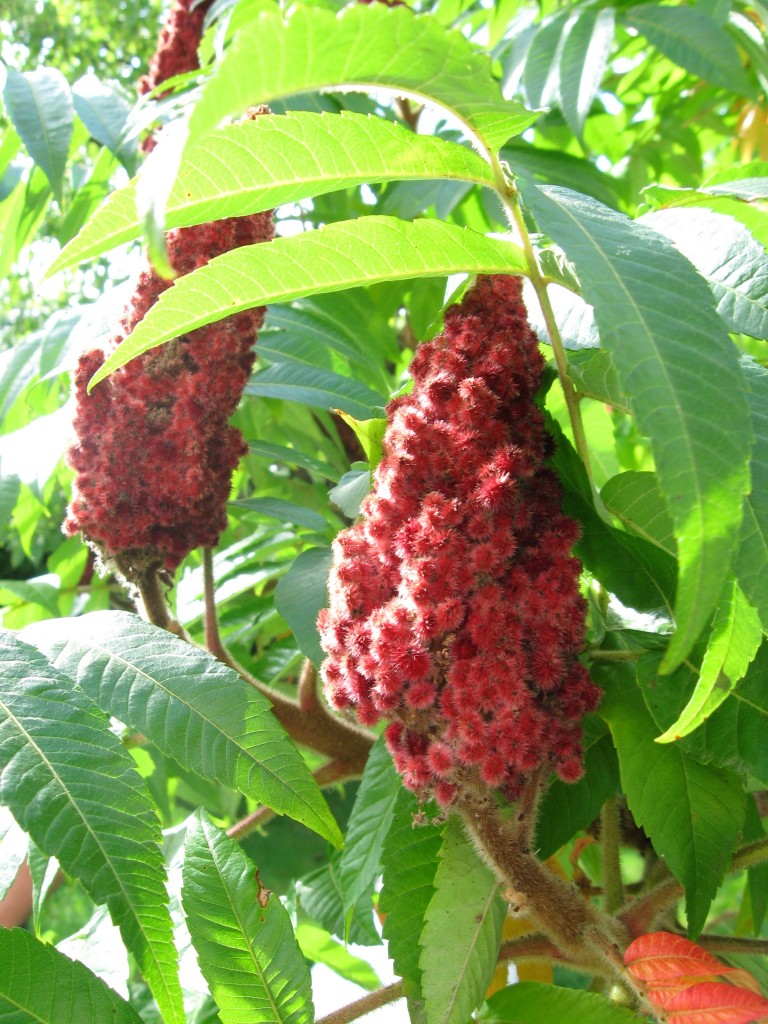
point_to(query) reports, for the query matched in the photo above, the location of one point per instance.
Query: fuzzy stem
(527, 810)
(748, 856)
(153, 600)
(365, 1004)
(554, 906)
(610, 837)
(733, 944)
(639, 917)
(539, 947)
(212, 637)
(308, 698)
(326, 775)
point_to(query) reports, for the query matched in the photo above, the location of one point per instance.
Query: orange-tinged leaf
(712, 1002)
(660, 958)
(662, 954)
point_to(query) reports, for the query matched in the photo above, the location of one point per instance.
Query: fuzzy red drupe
(455, 609)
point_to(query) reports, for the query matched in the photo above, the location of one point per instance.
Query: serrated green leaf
(409, 859)
(104, 112)
(653, 310)
(638, 572)
(369, 824)
(284, 511)
(728, 258)
(583, 62)
(322, 897)
(593, 373)
(541, 78)
(247, 951)
(568, 807)
(266, 162)
(292, 457)
(39, 103)
(751, 562)
(636, 500)
(691, 812)
(558, 168)
(734, 735)
(39, 985)
(370, 434)
(349, 492)
(193, 708)
(74, 788)
(361, 46)
(533, 1002)
(315, 387)
(316, 944)
(691, 38)
(733, 642)
(300, 595)
(331, 258)
(462, 931)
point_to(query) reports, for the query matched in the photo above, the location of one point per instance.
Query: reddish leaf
(711, 1003)
(663, 959)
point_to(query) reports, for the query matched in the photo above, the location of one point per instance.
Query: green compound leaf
(734, 734)
(462, 931)
(593, 373)
(640, 574)
(242, 934)
(653, 311)
(363, 47)
(635, 499)
(533, 1002)
(39, 985)
(193, 708)
(735, 637)
(693, 39)
(570, 806)
(583, 61)
(315, 387)
(410, 859)
(369, 824)
(729, 259)
(338, 256)
(39, 103)
(260, 164)
(751, 562)
(691, 812)
(300, 595)
(74, 788)
(321, 895)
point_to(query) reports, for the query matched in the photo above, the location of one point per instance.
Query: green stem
(212, 637)
(510, 199)
(597, 654)
(733, 944)
(610, 837)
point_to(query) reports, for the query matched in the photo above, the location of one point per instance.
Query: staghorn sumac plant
(519, 264)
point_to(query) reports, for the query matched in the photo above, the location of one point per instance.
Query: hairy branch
(366, 1004)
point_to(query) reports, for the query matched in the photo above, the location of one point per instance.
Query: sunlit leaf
(70, 783)
(337, 256)
(39, 985)
(39, 103)
(263, 163)
(652, 309)
(193, 708)
(245, 944)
